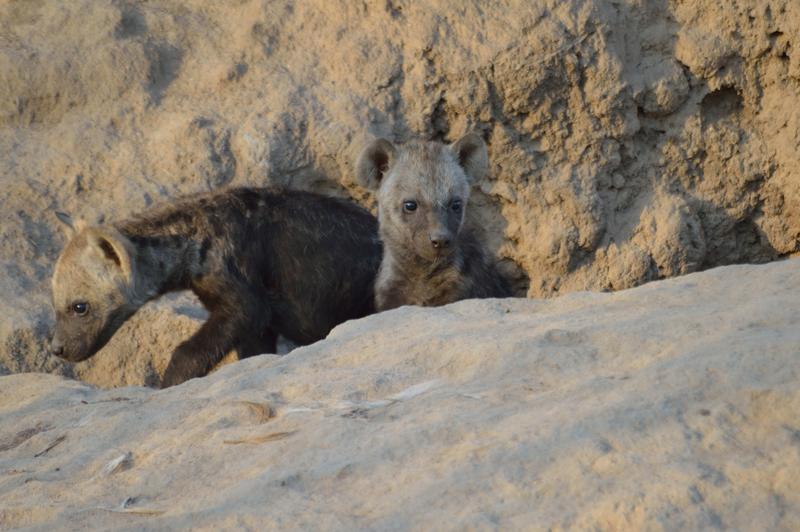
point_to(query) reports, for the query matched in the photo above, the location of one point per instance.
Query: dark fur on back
(302, 256)
(262, 261)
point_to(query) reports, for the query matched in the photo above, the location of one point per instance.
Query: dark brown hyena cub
(263, 262)
(429, 257)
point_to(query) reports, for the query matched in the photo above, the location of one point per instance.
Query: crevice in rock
(719, 105)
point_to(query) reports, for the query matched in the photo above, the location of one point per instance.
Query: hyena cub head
(92, 290)
(423, 189)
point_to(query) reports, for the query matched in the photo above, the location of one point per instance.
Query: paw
(180, 370)
(171, 377)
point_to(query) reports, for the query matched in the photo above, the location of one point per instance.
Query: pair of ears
(108, 243)
(378, 157)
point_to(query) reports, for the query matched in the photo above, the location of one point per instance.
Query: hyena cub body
(430, 255)
(263, 262)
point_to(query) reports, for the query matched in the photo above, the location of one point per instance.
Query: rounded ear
(374, 162)
(113, 247)
(472, 155)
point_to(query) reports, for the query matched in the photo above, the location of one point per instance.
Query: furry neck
(162, 262)
(413, 267)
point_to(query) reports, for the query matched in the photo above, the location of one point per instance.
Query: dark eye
(409, 206)
(80, 308)
(456, 205)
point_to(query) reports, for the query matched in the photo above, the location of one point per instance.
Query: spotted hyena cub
(430, 256)
(263, 262)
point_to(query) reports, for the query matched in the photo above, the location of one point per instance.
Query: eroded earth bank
(629, 141)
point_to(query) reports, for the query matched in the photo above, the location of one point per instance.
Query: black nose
(440, 242)
(57, 350)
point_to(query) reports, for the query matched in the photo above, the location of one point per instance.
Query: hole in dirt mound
(719, 105)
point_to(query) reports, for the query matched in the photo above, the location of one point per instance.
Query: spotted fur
(262, 261)
(431, 256)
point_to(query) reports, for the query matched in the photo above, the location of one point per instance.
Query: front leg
(257, 343)
(196, 356)
(389, 297)
(390, 291)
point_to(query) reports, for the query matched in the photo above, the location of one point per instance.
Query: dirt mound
(672, 405)
(628, 142)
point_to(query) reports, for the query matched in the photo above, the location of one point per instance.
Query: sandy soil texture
(669, 406)
(629, 141)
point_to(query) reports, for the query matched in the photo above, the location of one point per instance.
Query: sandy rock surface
(629, 141)
(673, 405)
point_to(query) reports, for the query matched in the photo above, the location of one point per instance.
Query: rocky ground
(629, 141)
(669, 406)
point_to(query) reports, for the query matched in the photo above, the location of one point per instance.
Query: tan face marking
(91, 292)
(422, 200)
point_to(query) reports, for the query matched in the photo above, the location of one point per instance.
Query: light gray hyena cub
(430, 257)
